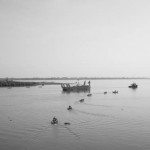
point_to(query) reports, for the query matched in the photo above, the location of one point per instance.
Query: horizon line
(72, 78)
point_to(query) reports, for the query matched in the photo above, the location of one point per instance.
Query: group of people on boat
(69, 108)
(54, 121)
(89, 83)
(65, 85)
(73, 87)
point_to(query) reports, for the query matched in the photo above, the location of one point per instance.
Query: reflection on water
(103, 121)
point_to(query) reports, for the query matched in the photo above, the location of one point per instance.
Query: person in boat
(54, 121)
(89, 83)
(84, 83)
(69, 108)
(81, 100)
(133, 85)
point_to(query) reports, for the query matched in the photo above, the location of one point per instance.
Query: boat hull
(76, 88)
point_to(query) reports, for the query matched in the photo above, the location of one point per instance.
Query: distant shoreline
(78, 78)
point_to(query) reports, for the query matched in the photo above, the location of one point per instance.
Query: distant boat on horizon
(133, 86)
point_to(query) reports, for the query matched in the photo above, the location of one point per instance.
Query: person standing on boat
(89, 83)
(84, 82)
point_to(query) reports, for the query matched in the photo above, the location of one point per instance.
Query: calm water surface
(102, 122)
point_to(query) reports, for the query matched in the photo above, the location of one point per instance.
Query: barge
(66, 87)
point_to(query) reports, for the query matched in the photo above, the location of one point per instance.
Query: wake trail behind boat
(70, 131)
(93, 114)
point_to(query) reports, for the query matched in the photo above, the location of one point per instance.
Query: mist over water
(103, 121)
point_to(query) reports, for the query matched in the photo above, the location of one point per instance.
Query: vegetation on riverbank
(11, 83)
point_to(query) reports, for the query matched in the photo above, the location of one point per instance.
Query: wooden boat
(67, 123)
(115, 92)
(54, 121)
(76, 88)
(133, 86)
(69, 108)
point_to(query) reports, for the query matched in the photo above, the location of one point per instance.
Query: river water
(102, 122)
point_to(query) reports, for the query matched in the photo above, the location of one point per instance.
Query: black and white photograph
(74, 74)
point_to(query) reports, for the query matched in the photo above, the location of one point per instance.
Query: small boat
(89, 94)
(81, 100)
(105, 92)
(69, 108)
(54, 121)
(67, 123)
(133, 86)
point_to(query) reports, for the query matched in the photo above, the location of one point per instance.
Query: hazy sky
(47, 38)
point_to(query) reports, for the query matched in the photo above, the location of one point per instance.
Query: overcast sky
(57, 38)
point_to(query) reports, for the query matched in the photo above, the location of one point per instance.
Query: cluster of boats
(66, 87)
(55, 120)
